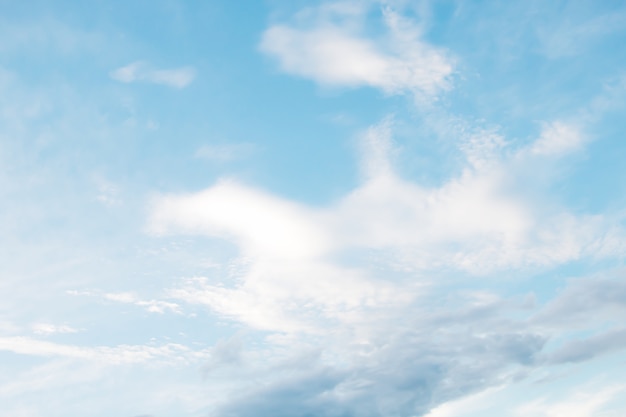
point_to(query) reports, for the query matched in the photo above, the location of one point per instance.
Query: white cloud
(152, 306)
(294, 277)
(48, 329)
(470, 405)
(294, 296)
(343, 54)
(521, 400)
(262, 224)
(121, 354)
(121, 297)
(140, 71)
(558, 138)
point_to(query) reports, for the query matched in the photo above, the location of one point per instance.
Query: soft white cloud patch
(262, 224)
(48, 329)
(332, 48)
(140, 71)
(558, 138)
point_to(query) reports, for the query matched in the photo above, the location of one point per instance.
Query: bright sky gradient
(359, 208)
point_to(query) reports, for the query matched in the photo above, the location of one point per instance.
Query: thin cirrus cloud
(47, 329)
(345, 55)
(589, 402)
(140, 71)
(123, 354)
(570, 38)
(580, 404)
(151, 306)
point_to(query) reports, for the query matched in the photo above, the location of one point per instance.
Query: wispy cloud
(140, 71)
(122, 354)
(47, 35)
(152, 306)
(581, 404)
(48, 329)
(558, 138)
(571, 37)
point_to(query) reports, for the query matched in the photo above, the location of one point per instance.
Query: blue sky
(350, 208)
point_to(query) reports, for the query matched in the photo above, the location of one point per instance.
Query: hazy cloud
(140, 71)
(48, 329)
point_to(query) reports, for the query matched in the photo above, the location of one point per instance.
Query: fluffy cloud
(395, 343)
(475, 220)
(344, 54)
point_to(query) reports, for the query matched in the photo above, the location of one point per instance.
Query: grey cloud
(583, 301)
(225, 352)
(308, 394)
(403, 373)
(402, 382)
(586, 349)
(439, 355)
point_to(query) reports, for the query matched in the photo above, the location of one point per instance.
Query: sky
(351, 208)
